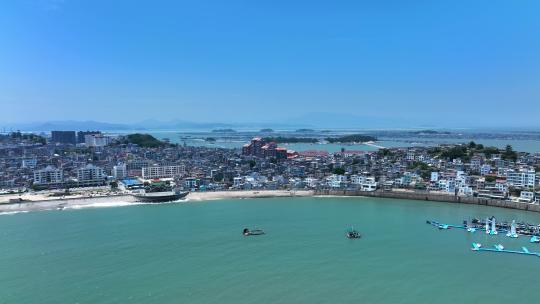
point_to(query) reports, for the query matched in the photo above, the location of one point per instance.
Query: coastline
(432, 196)
(40, 202)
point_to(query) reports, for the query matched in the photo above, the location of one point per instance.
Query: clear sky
(464, 62)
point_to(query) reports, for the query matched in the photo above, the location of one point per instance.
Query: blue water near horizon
(194, 253)
(522, 145)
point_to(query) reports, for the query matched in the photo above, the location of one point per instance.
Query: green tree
(252, 163)
(339, 171)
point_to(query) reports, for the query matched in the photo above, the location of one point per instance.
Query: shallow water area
(194, 252)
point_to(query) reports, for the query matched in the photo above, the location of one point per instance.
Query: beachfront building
(357, 179)
(91, 175)
(369, 184)
(48, 177)
(523, 178)
(526, 196)
(163, 172)
(119, 171)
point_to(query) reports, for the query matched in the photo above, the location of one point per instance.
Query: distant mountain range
(140, 126)
(309, 120)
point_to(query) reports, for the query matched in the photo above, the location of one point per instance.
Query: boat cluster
(491, 227)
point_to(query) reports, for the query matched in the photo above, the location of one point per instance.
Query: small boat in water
(353, 234)
(534, 239)
(248, 232)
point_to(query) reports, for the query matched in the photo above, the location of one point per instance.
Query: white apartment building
(29, 163)
(357, 179)
(119, 171)
(369, 184)
(96, 140)
(485, 169)
(163, 171)
(521, 178)
(311, 182)
(47, 176)
(90, 173)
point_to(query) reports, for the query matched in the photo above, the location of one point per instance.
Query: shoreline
(432, 196)
(42, 203)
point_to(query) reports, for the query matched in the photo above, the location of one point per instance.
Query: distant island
(267, 130)
(143, 140)
(304, 130)
(224, 131)
(291, 140)
(354, 138)
(431, 132)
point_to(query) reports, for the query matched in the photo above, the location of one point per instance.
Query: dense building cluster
(28, 163)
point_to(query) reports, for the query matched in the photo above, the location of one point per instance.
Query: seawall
(430, 196)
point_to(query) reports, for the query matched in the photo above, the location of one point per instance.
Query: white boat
(487, 225)
(534, 239)
(499, 247)
(512, 233)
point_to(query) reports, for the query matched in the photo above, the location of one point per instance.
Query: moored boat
(353, 234)
(248, 232)
(160, 197)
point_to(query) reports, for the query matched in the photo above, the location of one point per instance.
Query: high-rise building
(81, 135)
(96, 140)
(119, 171)
(64, 137)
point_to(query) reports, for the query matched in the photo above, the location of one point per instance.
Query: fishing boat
(534, 239)
(512, 233)
(353, 234)
(160, 197)
(248, 232)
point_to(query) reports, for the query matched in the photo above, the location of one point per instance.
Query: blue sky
(432, 62)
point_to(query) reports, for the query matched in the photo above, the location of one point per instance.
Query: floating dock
(500, 249)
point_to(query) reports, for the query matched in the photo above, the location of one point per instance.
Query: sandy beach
(42, 201)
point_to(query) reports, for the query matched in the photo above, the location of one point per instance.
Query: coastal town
(67, 162)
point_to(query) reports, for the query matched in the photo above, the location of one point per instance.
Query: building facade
(64, 137)
(162, 171)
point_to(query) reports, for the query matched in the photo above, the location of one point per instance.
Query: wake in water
(13, 212)
(105, 205)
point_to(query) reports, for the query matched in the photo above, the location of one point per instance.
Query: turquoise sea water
(194, 253)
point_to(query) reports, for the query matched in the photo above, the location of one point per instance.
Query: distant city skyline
(360, 63)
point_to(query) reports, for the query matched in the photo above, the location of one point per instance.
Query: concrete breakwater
(437, 197)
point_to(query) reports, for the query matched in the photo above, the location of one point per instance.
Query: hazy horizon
(385, 63)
